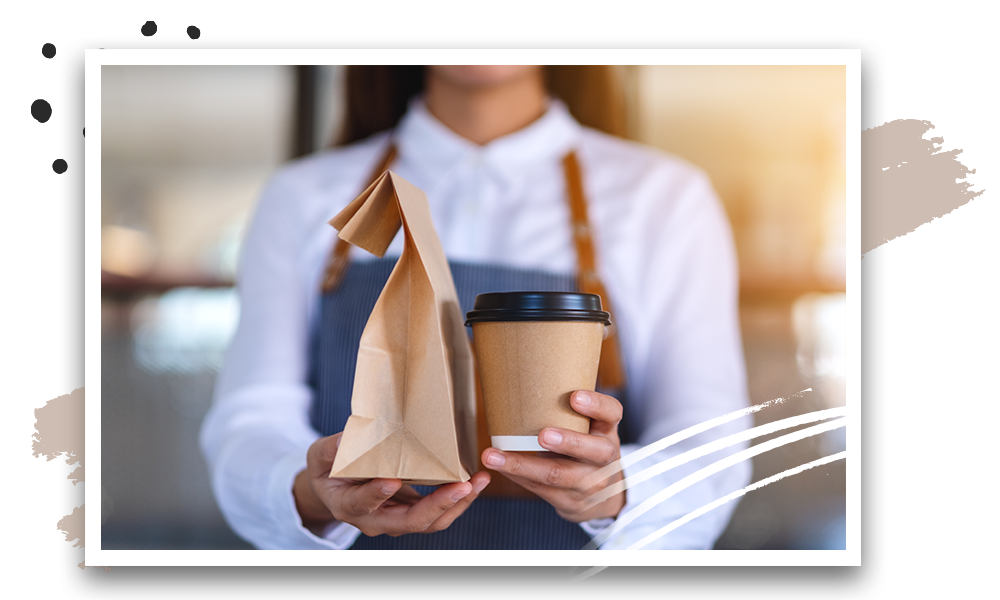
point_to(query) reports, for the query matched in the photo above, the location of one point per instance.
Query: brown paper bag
(413, 404)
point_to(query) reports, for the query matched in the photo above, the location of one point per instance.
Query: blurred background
(186, 150)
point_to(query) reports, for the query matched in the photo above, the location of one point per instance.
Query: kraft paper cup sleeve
(528, 370)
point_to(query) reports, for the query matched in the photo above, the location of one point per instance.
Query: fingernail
(387, 488)
(583, 399)
(480, 486)
(552, 438)
(459, 495)
(495, 459)
(337, 443)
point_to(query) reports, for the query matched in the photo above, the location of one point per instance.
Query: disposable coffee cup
(533, 350)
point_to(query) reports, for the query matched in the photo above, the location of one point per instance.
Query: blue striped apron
(490, 523)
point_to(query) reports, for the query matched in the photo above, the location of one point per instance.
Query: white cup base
(516, 443)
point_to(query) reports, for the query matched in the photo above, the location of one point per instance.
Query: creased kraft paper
(413, 402)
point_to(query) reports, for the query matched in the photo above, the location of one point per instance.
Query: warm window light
(820, 322)
(831, 261)
(186, 330)
(126, 251)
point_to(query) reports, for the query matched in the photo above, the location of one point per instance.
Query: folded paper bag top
(413, 403)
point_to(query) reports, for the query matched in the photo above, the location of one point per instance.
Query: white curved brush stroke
(646, 451)
(622, 521)
(730, 497)
(716, 504)
(585, 574)
(729, 440)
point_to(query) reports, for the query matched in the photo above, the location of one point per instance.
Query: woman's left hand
(559, 480)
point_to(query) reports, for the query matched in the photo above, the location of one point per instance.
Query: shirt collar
(435, 149)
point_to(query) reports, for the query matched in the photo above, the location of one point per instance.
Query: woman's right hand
(377, 506)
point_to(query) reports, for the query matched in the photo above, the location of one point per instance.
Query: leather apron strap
(610, 373)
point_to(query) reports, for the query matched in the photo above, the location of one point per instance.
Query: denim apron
(490, 523)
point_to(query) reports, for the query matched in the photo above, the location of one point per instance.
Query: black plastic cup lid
(537, 306)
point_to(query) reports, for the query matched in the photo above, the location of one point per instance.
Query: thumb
(362, 499)
(322, 452)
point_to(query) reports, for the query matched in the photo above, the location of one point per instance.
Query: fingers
(423, 514)
(605, 411)
(568, 504)
(593, 449)
(561, 473)
(433, 512)
(479, 482)
(562, 482)
(385, 505)
(361, 500)
(406, 495)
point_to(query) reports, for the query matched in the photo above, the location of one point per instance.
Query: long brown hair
(377, 97)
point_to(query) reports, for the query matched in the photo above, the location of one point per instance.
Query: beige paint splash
(907, 180)
(72, 526)
(59, 432)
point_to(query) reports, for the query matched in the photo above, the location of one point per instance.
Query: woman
(499, 160)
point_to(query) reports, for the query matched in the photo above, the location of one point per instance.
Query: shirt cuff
(336, 536)
(595, 526)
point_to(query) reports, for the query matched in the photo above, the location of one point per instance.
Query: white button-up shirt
(664, 252)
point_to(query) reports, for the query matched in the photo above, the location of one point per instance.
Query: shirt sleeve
(256, 434)
(685, 364)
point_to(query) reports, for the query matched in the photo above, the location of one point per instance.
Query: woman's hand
(377, 506)
(560, 480)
